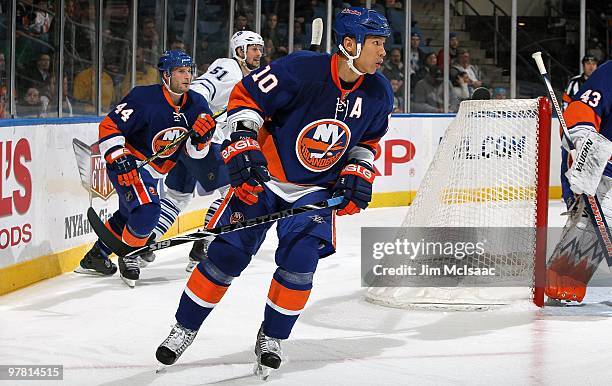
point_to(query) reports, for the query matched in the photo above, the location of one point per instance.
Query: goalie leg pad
(604, 194)
(575, 258)
(592, 154)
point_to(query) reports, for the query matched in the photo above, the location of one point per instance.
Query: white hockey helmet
(244, 39)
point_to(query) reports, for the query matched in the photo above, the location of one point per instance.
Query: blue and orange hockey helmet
(173, 59)
(358, 22)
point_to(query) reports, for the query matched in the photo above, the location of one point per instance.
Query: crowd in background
(37, 42)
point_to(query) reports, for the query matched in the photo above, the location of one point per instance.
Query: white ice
(105, 333)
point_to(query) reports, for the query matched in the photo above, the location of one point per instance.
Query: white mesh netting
(484, 174)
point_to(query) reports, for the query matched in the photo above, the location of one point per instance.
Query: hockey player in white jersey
(215, 85)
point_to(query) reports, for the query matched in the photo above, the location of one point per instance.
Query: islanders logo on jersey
(165, 137)
(320, 144)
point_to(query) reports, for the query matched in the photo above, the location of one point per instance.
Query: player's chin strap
(168, 87)
(350, 58)
(249, 67)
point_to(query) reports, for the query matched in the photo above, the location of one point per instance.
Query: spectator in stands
(378, 7)
(393, 68)
(416, 53)
(177, 44)
(270, 51)
(84, 91)
(589, 64)
(429, 94)
(398, 97)
(3, 80)
(66, 98)
(308, 10)
(463, 65)
(241, 23)
(429, 62)
(453, 43)
(397, 21)
(145, 73)
(272, 32)
(460, 85)
(41, 20)
(40, 76)
(30, 105)
(300, 40)
(149, 39)
(500, 93)
(3, 104)
(85, 30)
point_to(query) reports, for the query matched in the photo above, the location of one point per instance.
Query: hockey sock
(297, 258)
(143, 220)
(204, 290)
(209, 281)
(212, 210)
(168, 214)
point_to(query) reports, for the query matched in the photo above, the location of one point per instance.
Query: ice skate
(269, 355)
(95, 263)
(146, 259)
(175, 344)
(129, 270)
(198, 253)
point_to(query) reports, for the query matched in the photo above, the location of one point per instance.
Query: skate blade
(130, 282)
(160, 368)
(85, 271)
(263, 372)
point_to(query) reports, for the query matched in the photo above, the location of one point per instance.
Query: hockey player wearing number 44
(210, 172)
(302, 129)
(146, 120)
(589, 171)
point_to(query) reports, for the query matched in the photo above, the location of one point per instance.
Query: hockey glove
(203, 130)
(247, 166)
(124, 164)
(355, 185)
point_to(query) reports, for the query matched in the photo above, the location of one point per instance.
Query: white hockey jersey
(216, 86)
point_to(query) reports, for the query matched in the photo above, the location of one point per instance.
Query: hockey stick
(592, 204)
(317, 34)
(122, 249)
(177, 141)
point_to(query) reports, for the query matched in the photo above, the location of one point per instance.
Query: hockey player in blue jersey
(303, 129)
(210, 172)
(147, 119)
(589, 171)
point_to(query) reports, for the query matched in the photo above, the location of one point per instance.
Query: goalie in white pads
(588, 171)
(215, 85)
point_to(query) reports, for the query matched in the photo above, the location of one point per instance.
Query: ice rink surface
(105, 333)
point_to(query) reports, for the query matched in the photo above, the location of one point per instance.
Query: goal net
(489, 174)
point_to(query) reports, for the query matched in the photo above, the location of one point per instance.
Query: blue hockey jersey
(146, 120)
(311, 124)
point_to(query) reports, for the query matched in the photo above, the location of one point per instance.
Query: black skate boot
(129, 270)
(269, 354)
(97, 263)
(175, 344)
(198, 252)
